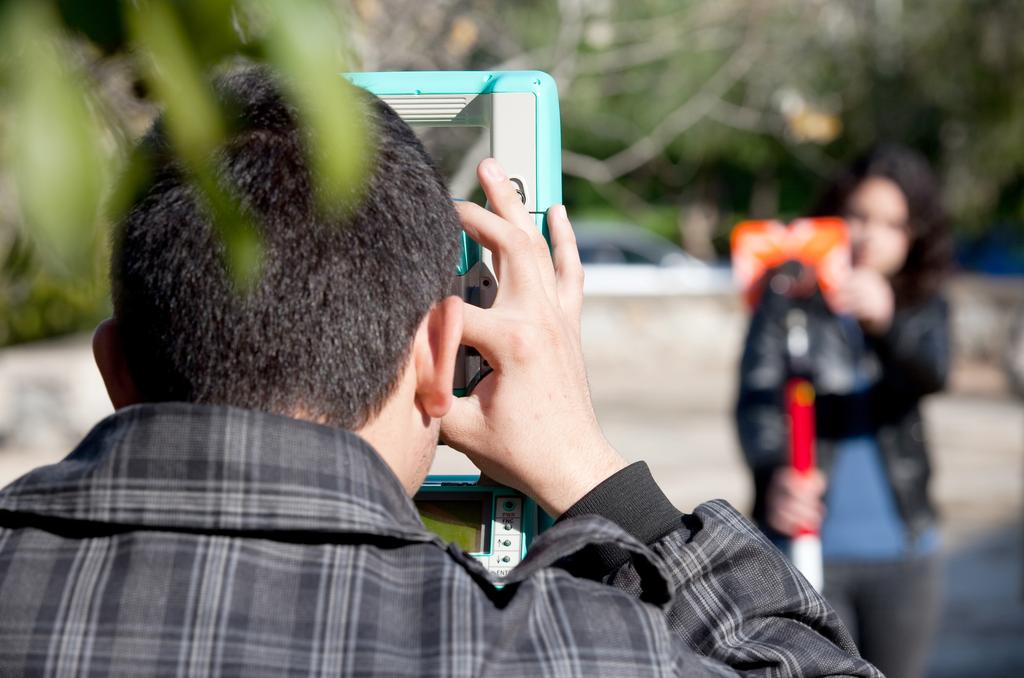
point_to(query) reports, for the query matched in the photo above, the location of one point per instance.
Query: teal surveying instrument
(519, 110)
(492, 523)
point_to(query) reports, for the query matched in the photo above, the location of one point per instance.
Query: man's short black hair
(328, 326)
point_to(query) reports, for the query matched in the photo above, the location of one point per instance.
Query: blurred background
(679, 119)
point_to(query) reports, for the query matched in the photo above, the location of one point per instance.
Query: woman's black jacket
(910, 361)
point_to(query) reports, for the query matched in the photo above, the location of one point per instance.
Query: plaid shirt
(187, 540)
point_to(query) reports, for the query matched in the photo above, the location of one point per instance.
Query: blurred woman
(877, 347)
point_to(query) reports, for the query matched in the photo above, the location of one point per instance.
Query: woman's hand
(868, 297)
(794, 501)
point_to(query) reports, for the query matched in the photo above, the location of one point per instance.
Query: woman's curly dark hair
(930, 256)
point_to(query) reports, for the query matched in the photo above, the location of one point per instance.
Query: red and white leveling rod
(822, 244)
(805, 546)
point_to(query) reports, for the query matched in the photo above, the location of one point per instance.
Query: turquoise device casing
(520, 110)
(465, 98)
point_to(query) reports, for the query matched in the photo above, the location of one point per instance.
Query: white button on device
(507, 542)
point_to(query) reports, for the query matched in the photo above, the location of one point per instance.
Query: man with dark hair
(246, 510)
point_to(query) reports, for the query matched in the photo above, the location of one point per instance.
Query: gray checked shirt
(185, 540)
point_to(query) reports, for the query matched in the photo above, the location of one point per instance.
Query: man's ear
(434, 350)
(110, 359)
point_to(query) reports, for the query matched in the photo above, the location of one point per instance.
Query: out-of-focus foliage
(681, 115)
(55, 145)
(300, 36)
(80, 83)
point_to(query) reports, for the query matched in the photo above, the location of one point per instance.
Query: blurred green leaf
(210, 26)
(243, 244)
(304, 43)
(195, 125)
(57, 163)
(62, 131)
(132, 181)
(173, 74)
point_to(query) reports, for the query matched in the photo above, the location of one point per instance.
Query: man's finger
(506, 202)
(508, 244)
(482, 330)
(566, 256)
(502, 196)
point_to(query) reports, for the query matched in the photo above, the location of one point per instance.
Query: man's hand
(793, 501)
(530, 423)
(868, 297)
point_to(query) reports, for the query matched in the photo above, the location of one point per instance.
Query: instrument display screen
(461, 519)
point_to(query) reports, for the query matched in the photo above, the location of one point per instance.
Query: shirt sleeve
(632, 500)
(735, 597)
(915, 351)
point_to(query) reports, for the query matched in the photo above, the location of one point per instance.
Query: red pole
(806, 544)
(800, 406)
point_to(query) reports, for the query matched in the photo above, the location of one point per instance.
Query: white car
(622, 259)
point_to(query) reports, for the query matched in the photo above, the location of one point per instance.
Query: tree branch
(567, 45)
(564, 54)
(674, 124)
(741, 117)
(656, 48)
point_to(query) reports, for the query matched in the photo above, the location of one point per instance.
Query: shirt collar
(215, 468)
